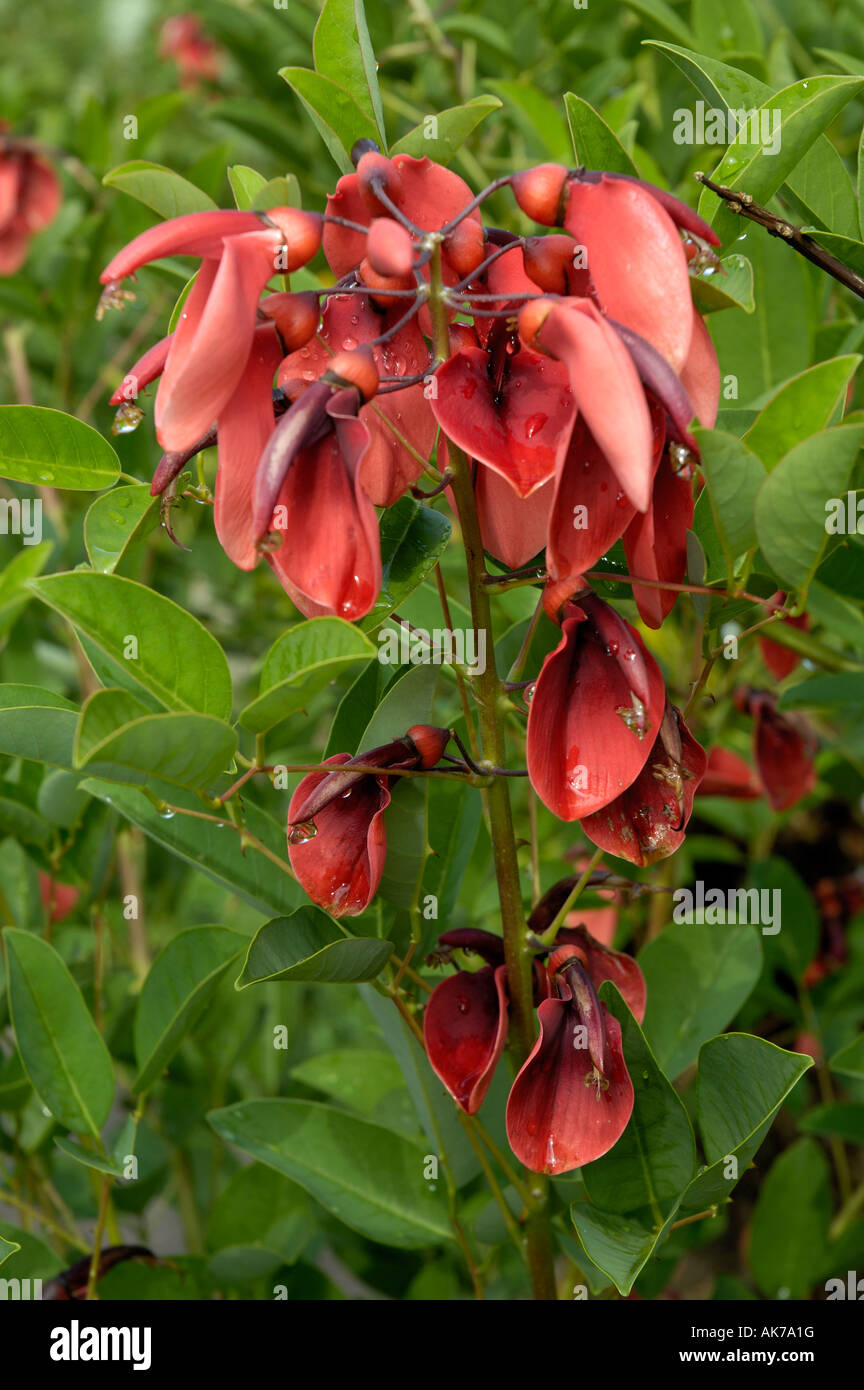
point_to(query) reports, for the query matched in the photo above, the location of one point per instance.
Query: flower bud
(540, 193)
(301, 232)
(295, 316)
(465, 247)
(389, 248)
(355, 368)
(374, 167)
(429, 742)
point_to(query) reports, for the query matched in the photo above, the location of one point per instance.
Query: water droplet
(534, 424)
(127, 419)
(46, 476)
(166, 813)
(348, 343)
(462, 1004)
(303, 831)
(529, 693)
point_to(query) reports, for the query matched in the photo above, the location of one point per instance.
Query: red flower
(336, 839)
(597, 698)
(573, 1098)
(30, 197)
(647, 821)
(465, 1020)
(728, 775)
(781, 661)
(784, 747)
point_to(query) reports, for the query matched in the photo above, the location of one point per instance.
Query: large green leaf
(342, 51)
(728, 285)
(743, 1081)
(159, 188)
(618, 1245)
(62, 1051)
(121, 740)
(791, 504)
(734, 476)
(789, 1229)
(451, 128)
(116, 521)
(175, 657)
(698, 975)
(335, 114)
(261, 1220)
(177, 990)
(800, 408)
(653, 1161)
(829, 692)
(49, 449)
(820, 183)
(368, 1177)
(309, 946)
(795, 117)
(594, 144)
(300, 664)
(849, 1061)
(37, 725)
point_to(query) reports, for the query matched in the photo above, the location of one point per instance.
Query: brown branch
(743, 203)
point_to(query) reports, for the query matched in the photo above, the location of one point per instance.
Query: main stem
(518, 957)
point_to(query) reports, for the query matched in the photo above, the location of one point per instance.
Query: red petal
(245, 425)
(700, 375)
(602, 963)
(784, 755)
(521, 434)
(583, 748)
(146, 369)
(40, 195)
(195, 234)
(636, 260)
(556, 1119)
(513, 528)
(202, 374)
(465, 1029)
(589, 511)
(341, 867)
(656, 543)
(728, 775)
(647, 821)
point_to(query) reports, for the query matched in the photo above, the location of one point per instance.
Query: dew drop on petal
(302, 832)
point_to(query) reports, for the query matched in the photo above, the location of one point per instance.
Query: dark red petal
(245, 425)
(465, 1029)
(585, 739)
(655, 542)
(648, 820)
(340, 867)
(602, 963)
(784, 755)
(557, 1118)
(728, 775)
(484, 943)
(589, 510)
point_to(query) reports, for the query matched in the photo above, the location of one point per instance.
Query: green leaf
(789, 1229)
(841, 1120)
(177, 659)
(309, 946)
(618, 1245)
(743, 1081)
(115, 521)
(802, 407)
(214, 849)
(62, 1051)
(829, 692)
(452, 128)
(159, 188)
(658, 15)
(14, 597)
(594, 144)
(734, 475)
(245, 183)
(697, 975)
(849, 250)
(343, 51)
(41, 728)
(730, 25)
(791, 504)
(19, 818)
(180, 985)
(300, 664)
(7, 1248)
(335, 114)
(801, 112)
(357, 1078)
(728, 285)
(654, 1159)
(261, 1220)
(49, 449)
(88, 1159)
(281, 192)
(368, 1177)
(544, 126)
(849, 1061)
(121, 740)
(413, 538)
(820, 183)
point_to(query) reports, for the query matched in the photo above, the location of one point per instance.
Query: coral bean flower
(595, 711)
(465, 1020)
(728, 775)
(30, 197)
(336, 838)
(784, 747)
(573, 1097)
(240, 252)
(647, 821)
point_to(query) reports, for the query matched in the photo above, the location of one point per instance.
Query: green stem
(518, 958)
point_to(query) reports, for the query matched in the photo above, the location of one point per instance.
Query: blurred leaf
(366, 1176)
(88, 1159)
(849, 1061)
(159, 188)
(827, 692)
(49, 449)
(308, 946)
(262, 1220)
(176, 658)
(840, 1120)
(62, 1051)
(790, 1222)
(451, 128)
(14, 597)
(180, 985)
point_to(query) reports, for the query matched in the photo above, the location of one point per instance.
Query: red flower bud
(389, 248)
(377, 167)
(465, 247)
(295, 316)
(540, 193)
(429, 742)
(301, 232)
(354, 368)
